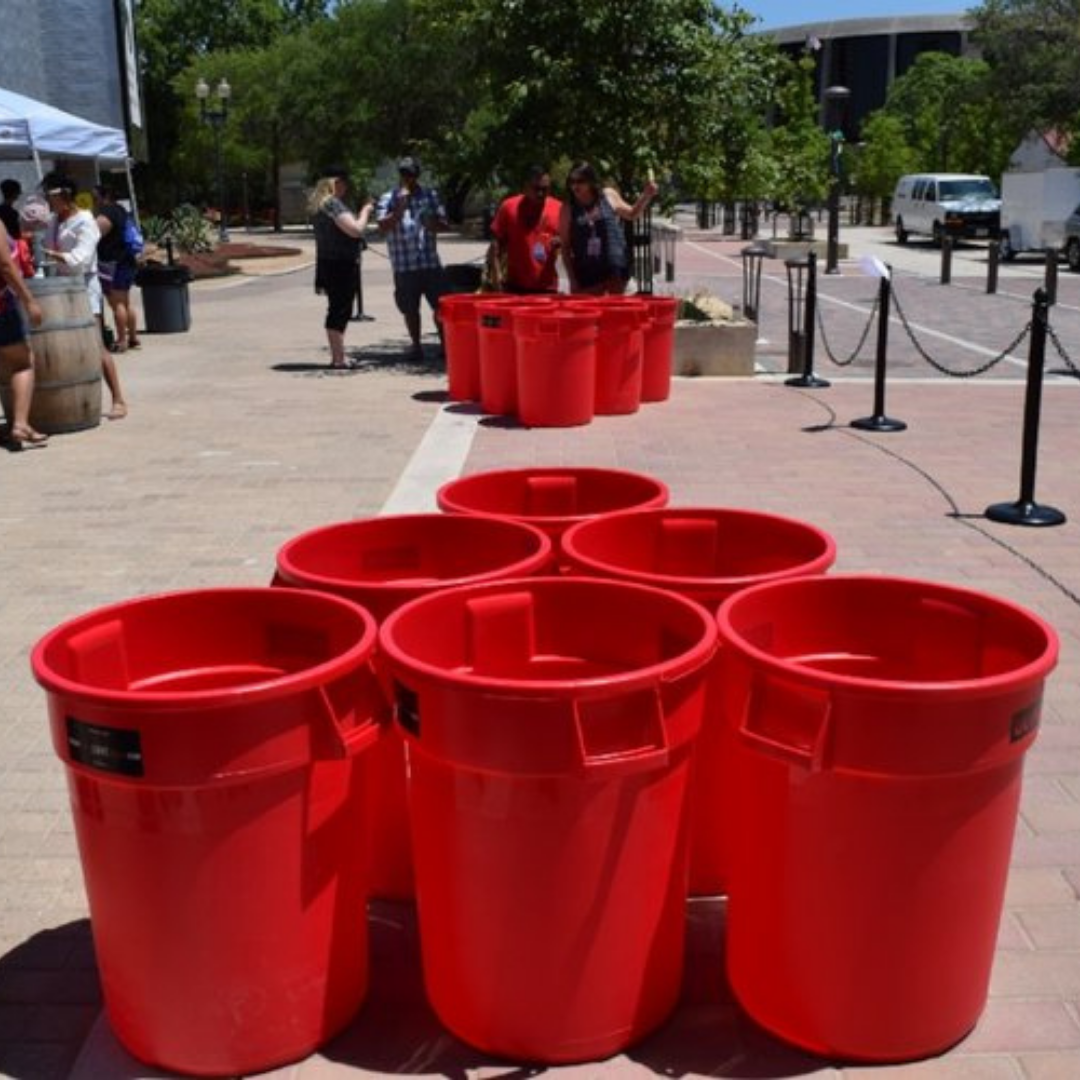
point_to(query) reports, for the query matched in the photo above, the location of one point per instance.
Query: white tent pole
(131, 190)
(37, 162)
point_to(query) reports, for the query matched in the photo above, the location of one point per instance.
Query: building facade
(868, 55)
(76, 55)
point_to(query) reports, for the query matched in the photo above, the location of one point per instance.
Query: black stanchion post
(1026, 511)
(946, 260)
(361, 315)
(1050, 276)
(752, 259)
(809, 314)
(993, 258)
(879, 421)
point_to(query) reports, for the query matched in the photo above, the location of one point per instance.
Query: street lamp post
(216, 118)
(834, 97)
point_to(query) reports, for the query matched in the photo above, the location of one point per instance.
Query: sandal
(27, 439)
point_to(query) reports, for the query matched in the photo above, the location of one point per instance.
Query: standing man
(410, 216)
(522, 256)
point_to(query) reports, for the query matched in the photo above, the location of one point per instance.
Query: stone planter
(718, 348)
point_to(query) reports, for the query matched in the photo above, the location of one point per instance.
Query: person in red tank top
(522, 256)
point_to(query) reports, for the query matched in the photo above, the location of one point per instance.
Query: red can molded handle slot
(787, 722)
(622, 734)
(345, 738)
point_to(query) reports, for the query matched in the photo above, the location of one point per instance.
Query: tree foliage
(940, 116)
(883, 157)
(633, 87)
(799, 147)
(178, 37)
(1032, 48)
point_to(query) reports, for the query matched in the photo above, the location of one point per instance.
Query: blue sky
(774, 13)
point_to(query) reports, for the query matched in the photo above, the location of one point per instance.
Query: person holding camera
(410, 216)
(339, 235)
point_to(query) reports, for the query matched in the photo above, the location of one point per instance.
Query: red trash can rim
(315, 676)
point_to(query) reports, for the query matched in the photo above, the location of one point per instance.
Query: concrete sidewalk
(239, 438)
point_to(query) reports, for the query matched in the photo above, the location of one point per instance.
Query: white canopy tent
(30, 129)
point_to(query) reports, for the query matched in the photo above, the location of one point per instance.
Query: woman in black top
(338, 237)
(591, 230)
(116, 266)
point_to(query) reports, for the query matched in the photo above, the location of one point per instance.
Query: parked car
(1072, 240)
(946, 204)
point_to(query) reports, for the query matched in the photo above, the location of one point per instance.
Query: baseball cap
(409, 165)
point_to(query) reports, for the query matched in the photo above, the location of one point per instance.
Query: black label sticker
(1024, 723)
(408, 709)
(113, 750)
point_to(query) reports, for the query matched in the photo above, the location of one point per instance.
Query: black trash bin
(166, 305)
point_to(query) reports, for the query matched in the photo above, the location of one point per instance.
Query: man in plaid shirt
(409, 217)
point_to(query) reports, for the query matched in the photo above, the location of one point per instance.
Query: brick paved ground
(239, 439)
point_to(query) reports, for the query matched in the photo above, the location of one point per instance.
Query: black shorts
(410, 286)
(12, 325)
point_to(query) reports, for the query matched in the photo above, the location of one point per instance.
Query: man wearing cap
(409, 217)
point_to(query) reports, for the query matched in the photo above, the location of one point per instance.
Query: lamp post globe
(216, 118)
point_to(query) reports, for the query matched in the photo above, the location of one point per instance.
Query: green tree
(174, 34)
(631, 87)
(799, 147)
(948, 116)
(883, 157)
(1032, 48)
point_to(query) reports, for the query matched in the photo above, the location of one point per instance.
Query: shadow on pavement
(54, 978)
(49, 999)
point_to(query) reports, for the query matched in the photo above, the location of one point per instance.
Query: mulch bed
(217, 263)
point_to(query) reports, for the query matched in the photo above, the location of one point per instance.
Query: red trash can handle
(348, 740)
(622, 735)
(787, 722)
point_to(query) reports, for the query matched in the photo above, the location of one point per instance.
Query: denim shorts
(12, 325)
(116, 276)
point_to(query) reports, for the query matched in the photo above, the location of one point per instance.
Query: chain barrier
(937, 366)
(862, 339)
(1060, 349)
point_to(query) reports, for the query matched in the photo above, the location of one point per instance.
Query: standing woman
(16, 359)
(338, 234)
(593, 240)
(116, 266)
(71, 240)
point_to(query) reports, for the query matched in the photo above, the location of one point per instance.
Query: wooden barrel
(67, 359)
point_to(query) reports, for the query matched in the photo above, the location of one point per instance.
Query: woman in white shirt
(71, 241)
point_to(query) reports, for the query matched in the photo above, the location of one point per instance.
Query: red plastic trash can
(556, 367)
(549, 724)
(620, 346)
(705, 554)
(498, 356)
(552, 498)
(457, 312)
(210, 740)
(659, 348)
(382, 563)
(883, 725)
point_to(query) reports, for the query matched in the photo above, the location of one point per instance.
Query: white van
(945, 204)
